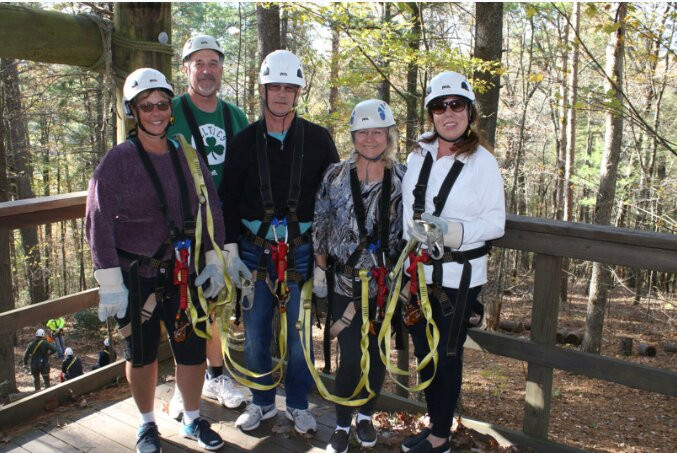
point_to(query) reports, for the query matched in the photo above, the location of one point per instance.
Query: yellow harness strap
(305, 321)
(225, 298)
(432, 332)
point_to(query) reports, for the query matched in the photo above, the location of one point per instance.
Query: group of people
(41, 348)
(196, 194)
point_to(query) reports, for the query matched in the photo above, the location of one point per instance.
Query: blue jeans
(259, 330)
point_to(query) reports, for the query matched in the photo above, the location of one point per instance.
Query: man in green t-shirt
(209, 124)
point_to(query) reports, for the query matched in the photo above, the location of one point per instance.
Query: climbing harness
(378, 272)
(180, 240)
(438, 256)
(281, 252)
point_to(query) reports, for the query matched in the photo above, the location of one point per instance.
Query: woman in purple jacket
(140, 222)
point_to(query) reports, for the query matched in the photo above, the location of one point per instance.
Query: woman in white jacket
(453, 193)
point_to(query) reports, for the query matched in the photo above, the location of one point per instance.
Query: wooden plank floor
(111, 426)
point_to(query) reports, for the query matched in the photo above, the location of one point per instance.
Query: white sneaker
(303, 420)
(176, 405)
(253, 415)
(223, 389)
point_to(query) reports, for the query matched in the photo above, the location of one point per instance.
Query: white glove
(112, 293)
(319, 282)
(234, 265)
(452, 231)
(213, 272)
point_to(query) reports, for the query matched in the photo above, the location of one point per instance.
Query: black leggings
(441, 396)
(348, 373)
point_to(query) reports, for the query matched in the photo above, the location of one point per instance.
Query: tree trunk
(384, 86)
(6, 294)
(567, 191)
(333, 77)
(44, 144)
(268, 19)
(412, 77)
(488, 47)
(20, 149)
(562, 140)
(140, 22)
(601, 276)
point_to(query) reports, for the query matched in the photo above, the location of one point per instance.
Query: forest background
(580, 101)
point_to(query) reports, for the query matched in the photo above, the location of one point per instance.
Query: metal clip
(246, 293)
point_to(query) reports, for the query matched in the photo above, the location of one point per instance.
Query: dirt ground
(586, 413)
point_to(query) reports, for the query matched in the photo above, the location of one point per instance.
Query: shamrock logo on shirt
(215, 152)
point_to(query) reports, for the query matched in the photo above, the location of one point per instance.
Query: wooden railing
(551, 241)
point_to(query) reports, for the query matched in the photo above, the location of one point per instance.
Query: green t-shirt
(212, 129)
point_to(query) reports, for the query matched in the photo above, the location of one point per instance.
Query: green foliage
(87, 320)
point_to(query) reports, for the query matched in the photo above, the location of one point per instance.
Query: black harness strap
(195, 129)
(448, 309)
(157, 261)
(380, 230)
(294, 236)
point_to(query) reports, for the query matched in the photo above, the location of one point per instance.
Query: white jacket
(476, 200)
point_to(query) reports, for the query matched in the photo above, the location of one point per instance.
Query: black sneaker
(338, 443)
(148, 439)
(366, 433)
(426, 447)
(201, 431)
(411, 441)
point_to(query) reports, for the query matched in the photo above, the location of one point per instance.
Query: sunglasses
(148, 107)
(439, 108)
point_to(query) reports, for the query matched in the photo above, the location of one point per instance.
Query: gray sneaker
(303, 420)
(253, 415)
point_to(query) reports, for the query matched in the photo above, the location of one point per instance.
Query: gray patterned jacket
(335, 231)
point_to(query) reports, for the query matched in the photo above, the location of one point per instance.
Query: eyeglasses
(148, 107)
(439, 108)
(275, 87)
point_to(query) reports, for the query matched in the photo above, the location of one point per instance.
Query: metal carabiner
(246, 293)
(435, 240)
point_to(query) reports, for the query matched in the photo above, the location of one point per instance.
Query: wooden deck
(110, 425)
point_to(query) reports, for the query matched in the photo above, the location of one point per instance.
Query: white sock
(344, 428)
(190, 416)
(148, 417)
(361, 417)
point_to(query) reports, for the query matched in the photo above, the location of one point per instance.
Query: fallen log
(511, 325)
(670, 346)
(647, 350)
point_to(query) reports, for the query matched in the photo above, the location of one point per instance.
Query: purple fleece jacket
(123, 209)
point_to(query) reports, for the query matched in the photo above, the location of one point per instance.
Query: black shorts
(191, 351)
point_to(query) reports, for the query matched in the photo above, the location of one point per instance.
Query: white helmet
(68, 352)
(282, 66)
(448, 83)
(106, 342)
(201, 42)
(40, 333)
(141, 80)
(371, 113)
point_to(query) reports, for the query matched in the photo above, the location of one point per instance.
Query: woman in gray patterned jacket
(358, 226)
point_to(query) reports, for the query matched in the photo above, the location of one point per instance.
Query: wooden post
(140, 31)
(49, 36)
(543, 330)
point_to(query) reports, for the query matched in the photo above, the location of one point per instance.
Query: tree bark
(7, 373)
(19, 146)
(562, 140)
(268, 19)
(601, 276)
(412, 76)
(333, 77)
(139, 22)
(488, 47)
